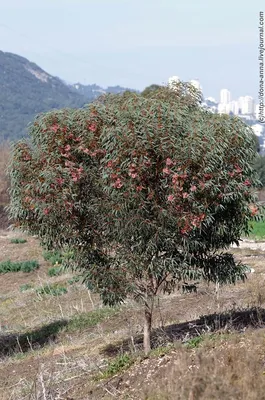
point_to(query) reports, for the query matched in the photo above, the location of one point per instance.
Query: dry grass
(229, 367)
(52, 347)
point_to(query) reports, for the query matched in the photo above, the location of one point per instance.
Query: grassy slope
(55, 346)
(258, 230)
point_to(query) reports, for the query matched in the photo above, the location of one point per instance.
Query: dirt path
(244, 244)
(251, 244)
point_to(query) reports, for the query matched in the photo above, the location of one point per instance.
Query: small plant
(54, 257)
(28, 266)
(18, 240)
(52, 290)
(73, 280)
(25, 287)
(194, 342)
(119, 364)
(24, 266)
(161, 351)
(55, 271)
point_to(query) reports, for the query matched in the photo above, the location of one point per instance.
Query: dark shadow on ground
(232, 321)
(20, 343)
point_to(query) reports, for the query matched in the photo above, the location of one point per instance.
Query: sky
(135, 43)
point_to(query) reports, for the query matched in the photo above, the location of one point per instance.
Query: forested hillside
(27, 90)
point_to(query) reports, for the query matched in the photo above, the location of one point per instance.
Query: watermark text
(261, 68)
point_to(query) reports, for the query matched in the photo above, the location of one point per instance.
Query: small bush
(18, 240)
(161, 351)
(194, 342)
(24, 266)
(55, 271)
(54, 257)
(25, 287)
(73, 280)
(51, 290)
(119, 364)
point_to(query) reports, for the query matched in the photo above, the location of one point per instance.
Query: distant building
(234, 107)
(247, 105)
(225, 96)
(223, 108)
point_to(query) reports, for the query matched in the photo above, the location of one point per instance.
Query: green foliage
(56, 289)
(195, 342)
(55, 271)
(24, 266)
(116, 366)
(161, 351)
(141, 193)
(257, 230)
(150, 89)
(73, 280)
(18, 240)
(54, 257)
(25, 287)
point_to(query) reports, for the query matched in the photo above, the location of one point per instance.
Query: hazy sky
(135, 43)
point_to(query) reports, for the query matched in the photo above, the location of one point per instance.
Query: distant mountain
(27, 90)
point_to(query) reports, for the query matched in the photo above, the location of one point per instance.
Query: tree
(149, 89)
(141, 193)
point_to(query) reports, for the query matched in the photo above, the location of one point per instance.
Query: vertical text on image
(261, 67)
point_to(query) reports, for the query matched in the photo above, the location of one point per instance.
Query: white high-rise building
(248, 105)
(234, 107)
(172, 81)
(225, 96)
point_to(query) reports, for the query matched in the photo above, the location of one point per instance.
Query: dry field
(70, 347)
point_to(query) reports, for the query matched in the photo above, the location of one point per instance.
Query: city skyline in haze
(138, 43)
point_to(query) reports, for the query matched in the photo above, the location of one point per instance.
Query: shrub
(55, 271)
(24, 266)
(73, 280)
(26, 286)
(118, 365)
(52, 290)
(18, 240)
(54, 257)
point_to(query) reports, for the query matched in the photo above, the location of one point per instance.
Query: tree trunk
(148, 311)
